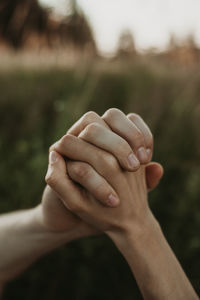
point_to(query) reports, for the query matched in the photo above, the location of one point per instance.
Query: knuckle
(65, 140)
(75, 207)
(133, 116)
(109, 161)
(51, 148)
(91, 130)
(79, 170)
(51, 178)
(112, 112)
(89, 117)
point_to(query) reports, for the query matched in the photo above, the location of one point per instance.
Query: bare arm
(154, 265)
(27, 235)
(131, 225)
(137, 235)
(24, 239)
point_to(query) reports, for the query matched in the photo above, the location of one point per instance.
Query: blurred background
(59, 59)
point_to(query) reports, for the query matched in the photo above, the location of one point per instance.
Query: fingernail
(133, 161)
(113, 200)
(149, 153)
(142, 155)
(53, 157)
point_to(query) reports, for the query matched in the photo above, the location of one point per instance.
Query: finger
(58, 179)
(109, 141)
(154, 173)
(86, 119)
(142, 126)
(94, 183)
(122, 126)
(103, 162)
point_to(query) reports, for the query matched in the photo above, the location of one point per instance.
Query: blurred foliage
(18, 18)
(27, 24)
(37, 107)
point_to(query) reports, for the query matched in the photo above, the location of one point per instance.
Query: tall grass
(37, 107)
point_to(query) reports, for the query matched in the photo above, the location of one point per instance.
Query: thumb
(58, 179)
(154, 173)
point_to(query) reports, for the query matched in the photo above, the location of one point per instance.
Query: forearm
(155, 267)
(24, 239)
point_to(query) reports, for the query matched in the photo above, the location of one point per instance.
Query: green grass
(37, 107)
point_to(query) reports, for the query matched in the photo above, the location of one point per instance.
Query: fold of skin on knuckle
(79, 171)
(52, 147)
(109, 165)
(92, 117)
(90, 131)
(66, 139)
(133, 116)
(87, 118)
(51, 178)
(73, 206)
(111, 114)
(61, 145)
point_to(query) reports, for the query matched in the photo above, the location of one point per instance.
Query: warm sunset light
(151, 22)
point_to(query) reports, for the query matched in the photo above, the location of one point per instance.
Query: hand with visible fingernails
(126, 191)
(97, 143)
(104, 183)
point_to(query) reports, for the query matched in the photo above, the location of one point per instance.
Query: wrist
(76, 230)
(136, 234)
(154, 265)
(38, 227)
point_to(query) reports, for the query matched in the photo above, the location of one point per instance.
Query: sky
(150, 21)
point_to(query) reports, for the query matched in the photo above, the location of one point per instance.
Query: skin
(70, 143)
(37, 231)
(131, 224)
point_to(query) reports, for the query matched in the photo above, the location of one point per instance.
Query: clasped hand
(102, 183)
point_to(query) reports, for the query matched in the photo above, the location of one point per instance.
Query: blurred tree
(75, 30)
(37, 107)
(20, 17)
(25, 22)
(185, 53)
(73, 6)
(172, 42)
(126, 44)
(190, 41)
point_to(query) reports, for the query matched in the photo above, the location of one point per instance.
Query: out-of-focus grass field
(37, 107)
